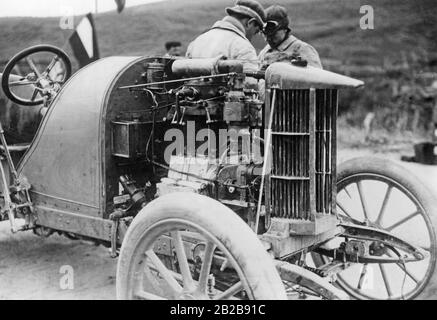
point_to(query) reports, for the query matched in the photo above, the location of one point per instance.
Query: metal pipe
(266, 160)
(137, 195)
(8, 154)
(178, 80)
(7, 199)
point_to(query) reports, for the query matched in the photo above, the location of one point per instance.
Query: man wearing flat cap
(282, 45)
(231, 36)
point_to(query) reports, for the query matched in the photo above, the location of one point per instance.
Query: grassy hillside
(404, 38)
(331, 25)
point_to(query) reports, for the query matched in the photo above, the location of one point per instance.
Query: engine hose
(137, 194)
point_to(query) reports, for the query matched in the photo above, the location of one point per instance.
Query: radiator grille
(326, 111)
(303, 153)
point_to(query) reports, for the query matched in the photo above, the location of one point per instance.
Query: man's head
(277, 25)
(251, 14)
(173, 48)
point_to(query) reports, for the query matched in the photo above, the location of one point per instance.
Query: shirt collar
(232, 24)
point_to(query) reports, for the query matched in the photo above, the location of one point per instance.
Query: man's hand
(272, 57)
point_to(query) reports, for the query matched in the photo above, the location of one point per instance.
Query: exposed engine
(212, 142)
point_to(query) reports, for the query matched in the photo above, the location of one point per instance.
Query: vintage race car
(203, 190)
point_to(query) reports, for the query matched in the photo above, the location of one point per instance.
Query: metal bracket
(19, 186)
(115, 218)
(373, 234)
(208, 116)
(114, 234)
(353, 231)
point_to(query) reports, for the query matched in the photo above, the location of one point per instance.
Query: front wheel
(188, 246)
(384, 195)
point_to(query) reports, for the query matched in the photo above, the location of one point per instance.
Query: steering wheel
(26, 69)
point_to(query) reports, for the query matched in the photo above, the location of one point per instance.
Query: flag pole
(96, 6)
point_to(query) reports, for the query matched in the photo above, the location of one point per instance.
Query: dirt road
(30, 267)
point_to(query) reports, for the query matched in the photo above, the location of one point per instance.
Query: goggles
(271, 27)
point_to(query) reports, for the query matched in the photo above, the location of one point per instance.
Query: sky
(54, 8)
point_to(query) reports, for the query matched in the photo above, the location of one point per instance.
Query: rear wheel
(384, 195)
(213, 254)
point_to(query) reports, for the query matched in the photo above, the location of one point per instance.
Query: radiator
(302, 181)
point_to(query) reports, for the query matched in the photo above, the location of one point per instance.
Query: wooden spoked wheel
(213, 254)
(384, 195)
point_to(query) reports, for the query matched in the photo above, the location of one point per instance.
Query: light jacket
(292, 47)
(226, 37)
